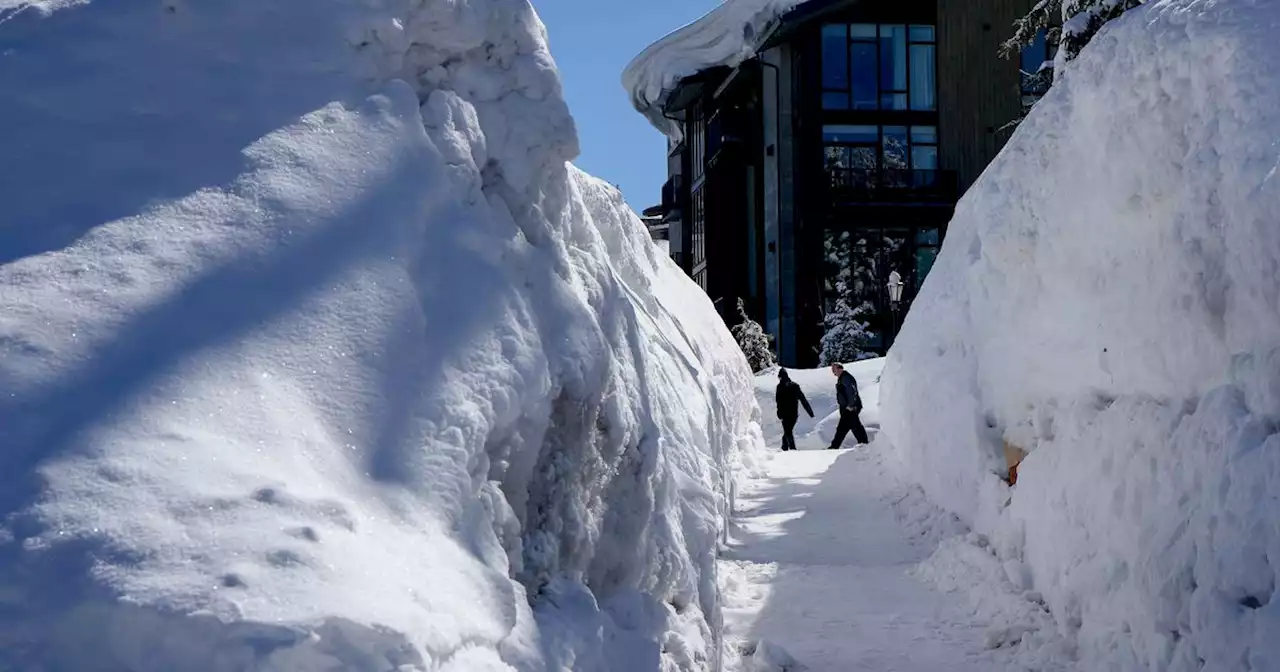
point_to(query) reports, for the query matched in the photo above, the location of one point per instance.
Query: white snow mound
(1109, 298)
(316, 354)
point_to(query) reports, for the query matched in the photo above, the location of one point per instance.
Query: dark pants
(788, 439)
(849, 421)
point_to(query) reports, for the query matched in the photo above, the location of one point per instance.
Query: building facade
(834, 157)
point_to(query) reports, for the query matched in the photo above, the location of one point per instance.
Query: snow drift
(1109, 298)
(727, 35)
(316, 354)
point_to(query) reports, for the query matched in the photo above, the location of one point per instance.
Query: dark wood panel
(978, 92)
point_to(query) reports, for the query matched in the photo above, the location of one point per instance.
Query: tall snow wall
(1108, 298)
(316, 354)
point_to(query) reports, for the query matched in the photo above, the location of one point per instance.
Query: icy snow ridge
(316, 354)
(727, 35)
(1108, 298)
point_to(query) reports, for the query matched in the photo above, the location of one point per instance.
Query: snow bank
(820, 389)
(1107, 298)
(727, 35)
(316, 354)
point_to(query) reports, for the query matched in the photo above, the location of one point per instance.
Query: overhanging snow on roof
(725, 36)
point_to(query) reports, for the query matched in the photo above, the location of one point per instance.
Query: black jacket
(847, 392)
(788, 396)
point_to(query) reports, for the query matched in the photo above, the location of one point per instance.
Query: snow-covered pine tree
(1081, 20)
(754, 342)
(846, 333)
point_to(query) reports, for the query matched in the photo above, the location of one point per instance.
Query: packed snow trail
(820, 566)
(831, 566)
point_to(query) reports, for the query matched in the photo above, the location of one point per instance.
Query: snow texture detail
(1107, 300)
(315, 353)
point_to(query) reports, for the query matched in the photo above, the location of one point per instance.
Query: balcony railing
(892, 185)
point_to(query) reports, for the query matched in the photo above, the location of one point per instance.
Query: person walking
(850, 405)
(789, 396)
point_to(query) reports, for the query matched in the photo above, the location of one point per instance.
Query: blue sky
(592, 41)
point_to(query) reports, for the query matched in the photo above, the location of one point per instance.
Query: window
(879, 67)
(927, 243)
(699, 230)
(1037, 67)
(866, 155)
(855, 266)
(924, 147)
(697, 140)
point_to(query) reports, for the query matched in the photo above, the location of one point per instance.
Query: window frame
(911, 31)
(878, 144)
(698, 230)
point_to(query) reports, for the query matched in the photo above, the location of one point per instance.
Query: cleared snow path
(818, 564)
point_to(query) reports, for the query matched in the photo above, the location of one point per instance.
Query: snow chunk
(316, 354)
(1107, 300)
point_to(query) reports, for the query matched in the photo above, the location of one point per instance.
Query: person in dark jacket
(850, 405)
(790, 395)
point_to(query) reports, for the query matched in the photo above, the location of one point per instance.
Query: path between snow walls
(1108, 299)
(315, 354)
(831, 563)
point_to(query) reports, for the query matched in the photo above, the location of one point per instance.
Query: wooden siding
(978, 92)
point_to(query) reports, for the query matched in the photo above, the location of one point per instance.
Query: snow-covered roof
(727, 35)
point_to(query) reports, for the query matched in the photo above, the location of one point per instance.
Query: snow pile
(1107, 299)
(819, 387)
(727, 35)
(315, 354)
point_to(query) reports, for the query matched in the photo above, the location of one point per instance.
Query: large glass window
(871, 148)
(856, 267)
(863, 158)
(879, 67)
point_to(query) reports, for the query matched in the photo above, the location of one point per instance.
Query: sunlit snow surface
(315, 354)
(1109, 298)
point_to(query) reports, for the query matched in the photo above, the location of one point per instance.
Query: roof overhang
(734, 32)
(740, 74)
(691, 89)
(782, 29)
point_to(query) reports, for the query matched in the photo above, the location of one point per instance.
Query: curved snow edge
(727, 35)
